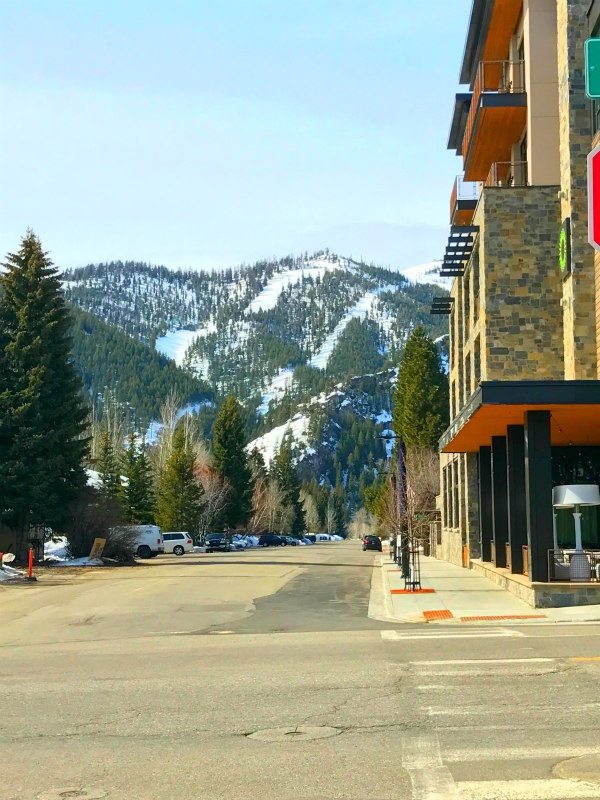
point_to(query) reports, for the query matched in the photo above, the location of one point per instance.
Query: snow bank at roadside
(56, 552)
(9, 574)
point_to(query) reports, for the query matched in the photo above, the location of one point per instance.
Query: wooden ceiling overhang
(574, 408)
(499, 123)
(491, 26)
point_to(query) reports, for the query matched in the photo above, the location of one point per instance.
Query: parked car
(372, 543)
(271, 540)
(217, 542)
(312, 538)
(178, 542)
(307, 540)
(149, 540)
(291, 540)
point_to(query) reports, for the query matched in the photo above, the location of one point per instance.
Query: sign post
(97, 548)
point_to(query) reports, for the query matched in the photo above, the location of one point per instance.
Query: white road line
(557, 752)
(492, 633)
(483, 662)
(430, 779)
(550, 789)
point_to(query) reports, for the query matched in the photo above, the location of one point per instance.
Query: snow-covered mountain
(267, 331)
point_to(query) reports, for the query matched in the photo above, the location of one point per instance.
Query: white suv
(178, 543)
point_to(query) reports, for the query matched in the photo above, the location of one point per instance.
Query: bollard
(30, 562)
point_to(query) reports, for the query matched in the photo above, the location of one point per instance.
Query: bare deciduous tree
(362, 524)
(267, 503)
(215, 492)
(311, 512)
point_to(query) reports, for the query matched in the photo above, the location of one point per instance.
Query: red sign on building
(594, 198)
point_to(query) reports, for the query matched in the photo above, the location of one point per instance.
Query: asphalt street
(259, 676)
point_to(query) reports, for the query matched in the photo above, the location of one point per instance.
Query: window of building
(445, 496)
(455, 498)
(468, 386)
(467, 301)
(477, 362)
(475, 273)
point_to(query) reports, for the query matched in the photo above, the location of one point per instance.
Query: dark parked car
(372, 543)
(271, 540)
(217, 542)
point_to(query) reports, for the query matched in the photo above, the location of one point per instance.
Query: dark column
(538, 489)
(499, 498)
(517, 504)
(486, 522)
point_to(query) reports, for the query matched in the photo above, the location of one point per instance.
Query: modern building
(524, 309)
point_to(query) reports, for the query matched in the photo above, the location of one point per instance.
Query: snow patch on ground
(427, 273)
(175, 344)
(155, 426)
(382, 418)
(57, 552)
(269, 443)
(9, 574)
(366, 306)
(276, 388)
(267, 299)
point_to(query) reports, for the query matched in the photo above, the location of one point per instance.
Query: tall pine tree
(41, 400)
(107, 467)
(137, 495)
(231, 462)
(421, 400)
(178, 496)
(284, 473)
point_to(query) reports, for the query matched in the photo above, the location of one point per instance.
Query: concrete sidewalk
(453, 594)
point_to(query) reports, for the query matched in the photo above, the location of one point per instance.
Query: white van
(149, 540)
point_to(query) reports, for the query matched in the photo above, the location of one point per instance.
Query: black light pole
(405, 553)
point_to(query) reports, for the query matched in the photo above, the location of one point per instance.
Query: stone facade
(522, 327)
(578, 299)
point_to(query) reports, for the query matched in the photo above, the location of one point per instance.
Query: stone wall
(575, 137)
(521, 284)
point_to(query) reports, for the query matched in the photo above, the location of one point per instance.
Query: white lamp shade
(575, 495)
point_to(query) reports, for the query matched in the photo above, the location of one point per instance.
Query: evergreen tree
(257, 465)
(231, 462)
(340, 509)
(421, 399)
(108, 469)
(178, 496)
(285, 475)
(137, 493)
(40, 395)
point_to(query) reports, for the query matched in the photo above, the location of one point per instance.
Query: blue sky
(206, 134)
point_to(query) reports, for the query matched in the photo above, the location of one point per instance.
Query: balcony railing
(463, 190)
(495, 77)
(507, 174)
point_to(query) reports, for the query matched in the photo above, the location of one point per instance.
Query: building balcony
(507, 174)
(463, 201)
(496, 117)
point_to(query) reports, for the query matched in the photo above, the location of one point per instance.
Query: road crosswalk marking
(548, 789)
(487, 633)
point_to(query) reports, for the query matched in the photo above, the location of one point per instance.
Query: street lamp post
(405, 554)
